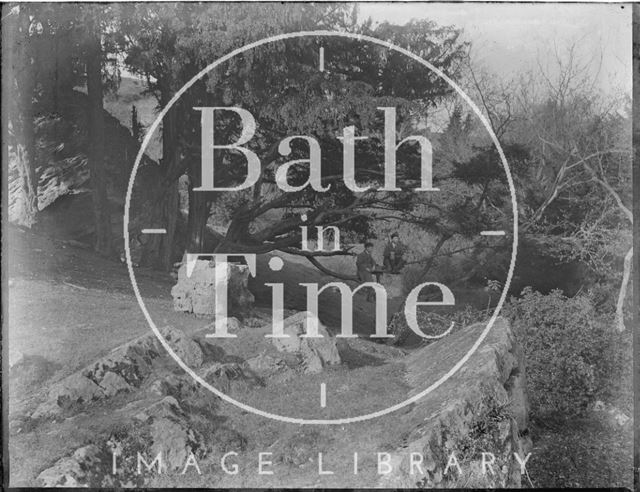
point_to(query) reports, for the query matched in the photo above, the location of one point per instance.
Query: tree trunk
(170, 158)
(199, 208)
(102, 216)
(622, 294)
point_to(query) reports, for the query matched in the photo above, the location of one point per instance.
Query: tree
(282, 87)
(575, 186)
(102, 216)
(62, 46)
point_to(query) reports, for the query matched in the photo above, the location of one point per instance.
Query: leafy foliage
(572, 355)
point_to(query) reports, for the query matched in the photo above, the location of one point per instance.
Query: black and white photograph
(318, 245)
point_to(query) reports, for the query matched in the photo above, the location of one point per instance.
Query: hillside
(76, 312)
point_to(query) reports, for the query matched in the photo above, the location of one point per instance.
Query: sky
(507, 39)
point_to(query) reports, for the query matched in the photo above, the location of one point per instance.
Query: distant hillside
(132, 92)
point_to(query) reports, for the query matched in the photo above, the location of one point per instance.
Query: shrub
(573, 355)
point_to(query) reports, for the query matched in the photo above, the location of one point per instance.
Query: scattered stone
(225, 376)
(195, 293)
(265, 364)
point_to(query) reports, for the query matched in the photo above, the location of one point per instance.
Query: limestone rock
(124, 369)
(315, 353)
(487, 393)
(231, 376)
(72, 471)
(171, 434)
(265, 364)
(73, 389)
(112, 384)
(195, 293)
(185, 348)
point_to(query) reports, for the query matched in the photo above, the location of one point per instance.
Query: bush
(573, 354)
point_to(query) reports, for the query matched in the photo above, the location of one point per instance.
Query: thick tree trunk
(160, 249)
(199, 209)
(171, 210)
(170, 158)
(102, 216)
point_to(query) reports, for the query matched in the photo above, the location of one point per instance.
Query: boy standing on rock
(367, 268)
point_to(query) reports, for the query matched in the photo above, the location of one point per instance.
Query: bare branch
(325, 270)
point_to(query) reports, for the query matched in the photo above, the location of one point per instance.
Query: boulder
(195, 292)
(315, 353)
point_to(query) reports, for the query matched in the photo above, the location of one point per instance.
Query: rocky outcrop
(195, 290)
(483, 408)
(479, 416)
(164, 429)
(72, 471)
(316, 353)
(61, 153)
(123, 370)
(171, 434)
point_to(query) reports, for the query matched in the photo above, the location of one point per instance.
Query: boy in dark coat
(367, 268)
(366, 264)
